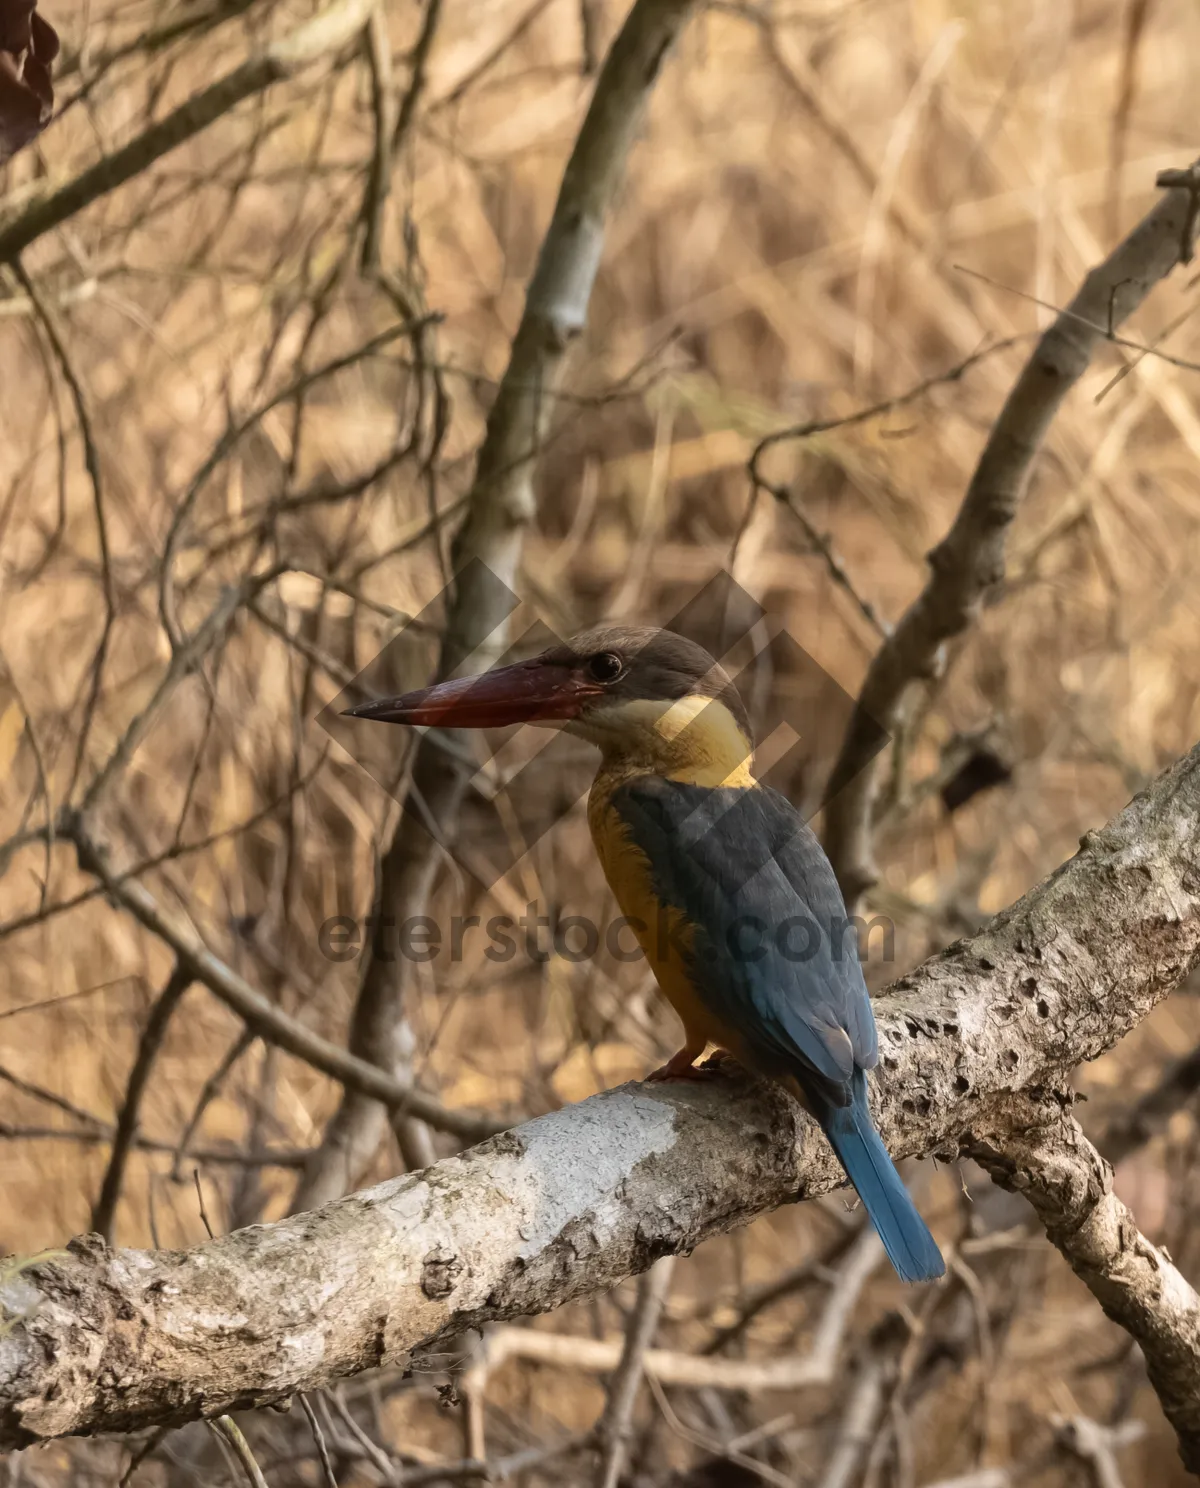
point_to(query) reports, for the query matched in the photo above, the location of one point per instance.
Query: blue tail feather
(860, 1150)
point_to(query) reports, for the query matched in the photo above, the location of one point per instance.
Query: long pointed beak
(526, 692)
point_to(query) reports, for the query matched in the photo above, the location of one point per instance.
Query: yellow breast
(694, 740)
(663, 933)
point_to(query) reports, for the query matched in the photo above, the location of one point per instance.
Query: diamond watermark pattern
(523, 780)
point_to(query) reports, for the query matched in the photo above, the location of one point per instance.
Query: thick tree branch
(1051, 1162)
(969, 561)
(571, 1203)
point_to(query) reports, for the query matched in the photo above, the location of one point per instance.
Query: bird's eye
(605, 666)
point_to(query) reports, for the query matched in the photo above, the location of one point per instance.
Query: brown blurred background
(791, 244)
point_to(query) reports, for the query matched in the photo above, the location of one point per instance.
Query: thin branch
(615, 1425)
(392, 126)
(1097, 1445)
(185, 657)
(319, 1438)
(811, 429)
(757, 1299)
(864, 1407)
(1142, 348)
(51, 1098)
(321, 491)
(105, 1208)
(383, 105)
(324, 36)
(91, 460)
(208, 1093)
(101, 1135)
(270, 1022)
(969, 562)
(231, 1433)
(817, 1366)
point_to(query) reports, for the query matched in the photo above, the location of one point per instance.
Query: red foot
(682, 1066)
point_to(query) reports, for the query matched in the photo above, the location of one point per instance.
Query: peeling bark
(573, 1202)
(1069, 1184)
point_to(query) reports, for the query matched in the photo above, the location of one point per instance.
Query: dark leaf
(28, 45)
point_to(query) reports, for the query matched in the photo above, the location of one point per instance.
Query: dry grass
(788, 246)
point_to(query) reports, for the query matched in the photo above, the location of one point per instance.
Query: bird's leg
(682, 1066)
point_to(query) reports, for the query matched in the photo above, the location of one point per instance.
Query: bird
(721, 879)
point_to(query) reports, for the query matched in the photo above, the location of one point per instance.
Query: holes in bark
(1029, 986)
(950, 1029)
(962, 1084)
(1011, 1058)
(1043, 1008)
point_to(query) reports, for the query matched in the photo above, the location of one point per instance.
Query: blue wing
(772, 957)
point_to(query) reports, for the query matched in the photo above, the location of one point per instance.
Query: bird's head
(628, 689)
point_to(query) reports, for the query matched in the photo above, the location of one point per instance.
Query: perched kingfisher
(755, 958)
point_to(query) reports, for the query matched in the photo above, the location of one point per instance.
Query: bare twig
(231, 1433)
(91, 459)
(817, 1366)
(208, 1094)
(185, 657)
(481, 69)
(270, 1022)
(325, 35)
(1137, 13)
(811, 429)
(392, 126)
(1098, 1445)
(612, 1432)
(105, 1208)
(383, 104)
(51, 1098)
(204, 1220)
(757, 1300)
(231, 1157)
(864, 1406)
(319, 1438)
